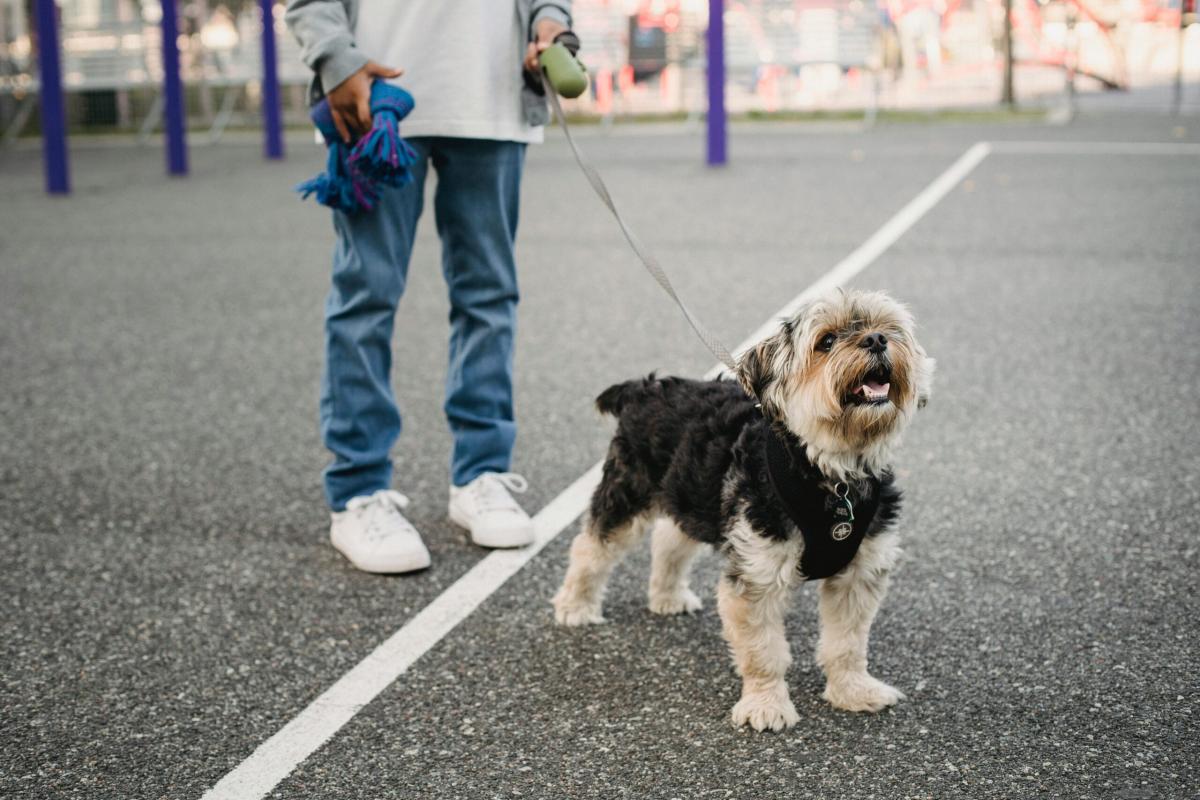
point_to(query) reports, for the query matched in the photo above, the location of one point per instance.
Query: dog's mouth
(873, 389)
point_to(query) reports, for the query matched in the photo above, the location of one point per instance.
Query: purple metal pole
(716, 82)
(177, 162)
(50, 98)
(272, 114)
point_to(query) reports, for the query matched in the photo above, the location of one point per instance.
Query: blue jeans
(475, 205)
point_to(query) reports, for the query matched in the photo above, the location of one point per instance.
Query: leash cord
(643, 253)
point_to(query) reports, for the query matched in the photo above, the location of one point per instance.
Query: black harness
(833, 524)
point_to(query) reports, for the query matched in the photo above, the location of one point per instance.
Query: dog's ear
(752, 367)
(925, 380)
(758, 366)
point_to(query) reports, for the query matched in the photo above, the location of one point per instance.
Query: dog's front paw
(769, 710)
(573, 613)
(861, 692)
(682, 602)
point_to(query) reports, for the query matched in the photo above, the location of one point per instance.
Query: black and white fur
(843, 376)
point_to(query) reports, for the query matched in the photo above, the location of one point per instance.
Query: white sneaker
(485, 508)
(376, 537)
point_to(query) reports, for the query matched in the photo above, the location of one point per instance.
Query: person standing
(463, 63)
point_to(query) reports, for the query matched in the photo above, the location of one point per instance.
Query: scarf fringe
(354, 177)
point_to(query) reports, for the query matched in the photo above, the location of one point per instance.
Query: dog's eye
(826, 342)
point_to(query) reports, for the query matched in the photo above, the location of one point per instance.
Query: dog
(787, 471)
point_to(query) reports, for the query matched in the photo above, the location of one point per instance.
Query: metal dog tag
(842, 507)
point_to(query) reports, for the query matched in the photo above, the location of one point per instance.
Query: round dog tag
(841, 531)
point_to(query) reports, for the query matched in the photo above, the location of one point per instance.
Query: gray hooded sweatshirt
(436, 42)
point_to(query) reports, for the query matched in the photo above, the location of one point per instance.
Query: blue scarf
(355, 175)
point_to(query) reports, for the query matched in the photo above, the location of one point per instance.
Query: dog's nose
(875, 342)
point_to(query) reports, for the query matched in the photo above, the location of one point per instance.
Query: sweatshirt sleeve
(326, 41)
(557, 10)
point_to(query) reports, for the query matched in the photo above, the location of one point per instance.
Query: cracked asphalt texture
(171, 599)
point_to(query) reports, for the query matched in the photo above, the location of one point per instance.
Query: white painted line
(1029, 148)
(275, 758)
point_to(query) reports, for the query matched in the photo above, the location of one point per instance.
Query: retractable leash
(562, 73)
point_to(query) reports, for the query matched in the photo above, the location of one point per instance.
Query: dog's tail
(613, 399)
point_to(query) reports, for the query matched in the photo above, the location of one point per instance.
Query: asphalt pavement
(172, 601)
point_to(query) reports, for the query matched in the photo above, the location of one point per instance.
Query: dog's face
(844, 374)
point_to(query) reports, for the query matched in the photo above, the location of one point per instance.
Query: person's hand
(544, 33)
(350, 100)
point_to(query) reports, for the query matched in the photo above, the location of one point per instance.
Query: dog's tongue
(872, 389)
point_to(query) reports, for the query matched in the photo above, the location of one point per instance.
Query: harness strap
(816, 512)
(643, 253)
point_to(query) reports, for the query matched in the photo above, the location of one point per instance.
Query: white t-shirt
(461, 62)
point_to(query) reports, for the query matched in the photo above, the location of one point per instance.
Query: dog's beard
(850, 401)
(846, 401)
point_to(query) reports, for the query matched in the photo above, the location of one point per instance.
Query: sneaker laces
(382, 510)
(491, 491)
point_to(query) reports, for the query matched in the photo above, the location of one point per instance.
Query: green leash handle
(566, 75)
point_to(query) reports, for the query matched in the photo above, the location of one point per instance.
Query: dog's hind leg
(848, 604)
(621, 510)
(594, 553)
(671, 555)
